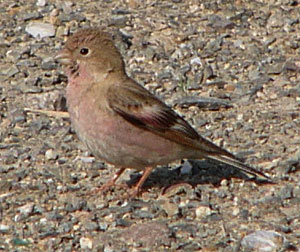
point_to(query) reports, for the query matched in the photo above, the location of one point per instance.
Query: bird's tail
(238, 164)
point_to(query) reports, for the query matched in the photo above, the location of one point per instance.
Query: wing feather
(139, 107)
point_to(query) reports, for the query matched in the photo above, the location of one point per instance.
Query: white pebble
(41, 3)
(186, 168)
(40, 30)
(86, 243)
(263, 241)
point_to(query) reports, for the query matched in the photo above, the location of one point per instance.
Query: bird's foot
(133, 192)
(108, 186)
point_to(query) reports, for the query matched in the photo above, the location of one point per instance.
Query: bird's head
(91, 49)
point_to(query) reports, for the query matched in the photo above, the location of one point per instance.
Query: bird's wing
(139, 107)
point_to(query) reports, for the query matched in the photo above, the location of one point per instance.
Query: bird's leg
(138, 186)
(110, 183)
(113, 181)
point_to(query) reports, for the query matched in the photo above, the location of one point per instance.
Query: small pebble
(203, 211)
(41, 3)
(86, 243)
(26, 209)
(186, 168)
(51, 154)
(40, 30)
(263, 241)
(4, 229)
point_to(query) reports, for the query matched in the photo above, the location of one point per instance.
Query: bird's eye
(84, 51)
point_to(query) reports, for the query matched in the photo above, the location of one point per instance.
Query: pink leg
(138, 186)
(110, 183)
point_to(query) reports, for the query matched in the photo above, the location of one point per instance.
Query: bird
(120, 121)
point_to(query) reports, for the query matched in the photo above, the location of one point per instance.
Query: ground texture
(231, 68)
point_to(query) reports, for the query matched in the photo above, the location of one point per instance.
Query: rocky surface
(230, 67)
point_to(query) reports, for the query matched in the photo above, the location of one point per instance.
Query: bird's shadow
(202, 172)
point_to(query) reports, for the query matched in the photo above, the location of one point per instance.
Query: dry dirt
(231, 68)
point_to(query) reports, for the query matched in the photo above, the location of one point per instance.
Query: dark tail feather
(238, 164)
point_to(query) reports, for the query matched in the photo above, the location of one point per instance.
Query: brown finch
(120, 121)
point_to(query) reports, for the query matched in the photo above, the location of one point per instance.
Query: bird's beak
(63, 56)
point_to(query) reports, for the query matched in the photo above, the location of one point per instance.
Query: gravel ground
(230, 67)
